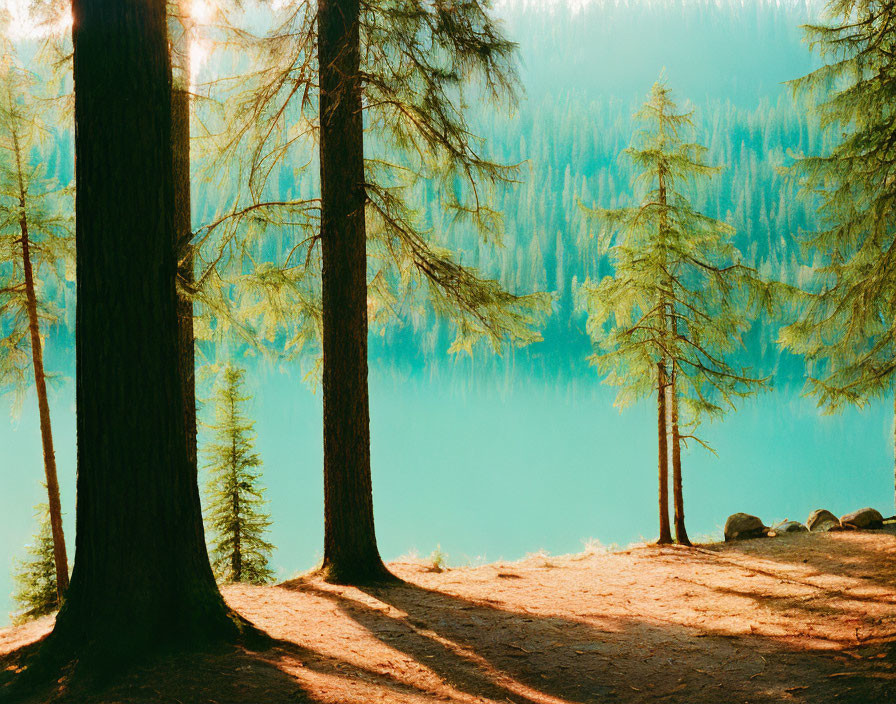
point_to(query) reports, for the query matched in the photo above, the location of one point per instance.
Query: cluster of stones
(743, 526)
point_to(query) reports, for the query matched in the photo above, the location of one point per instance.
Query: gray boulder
(821, 521)
(863, 519)
(828, 527)
(789, 527)
(743, 526)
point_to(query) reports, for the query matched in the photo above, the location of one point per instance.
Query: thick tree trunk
(142, 579)
(350, 550)
(681, 533)
(60, 557)
(665, 532)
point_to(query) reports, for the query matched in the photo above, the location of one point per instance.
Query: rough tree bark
(665, 531)
(142, 579)
(662, 388)
(681, 533)
(665, 386)
(60, 557)
(350, 551)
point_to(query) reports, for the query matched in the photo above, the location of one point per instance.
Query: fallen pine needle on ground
(801, 618)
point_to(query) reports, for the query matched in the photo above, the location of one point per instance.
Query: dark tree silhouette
(402, 69)
(350, 550)
(663, 445)
(142, 579)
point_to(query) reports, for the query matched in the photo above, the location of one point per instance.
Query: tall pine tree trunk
(665, 532)
(662, 411)
(350, 550)
(681, 533)
(60, 558)
(669, 386)
(142, 579)
(181, 33)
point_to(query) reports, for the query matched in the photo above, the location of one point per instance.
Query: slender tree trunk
(236, 563)
(662, 410)
(181, 29)
(669, 325)
(681, 533)
(60, 558)
(350, 550)
(665, 532)
(894, 448)
(142, 579)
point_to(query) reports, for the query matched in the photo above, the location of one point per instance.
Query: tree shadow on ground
(223, 674)
(873, 564)
(806, 578)
(411, 644)
(504, 655)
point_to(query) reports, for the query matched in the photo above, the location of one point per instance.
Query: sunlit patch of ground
(803, 618)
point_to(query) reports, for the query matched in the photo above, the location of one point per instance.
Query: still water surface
(500, 470)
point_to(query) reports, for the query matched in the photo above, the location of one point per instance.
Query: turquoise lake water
(508, 469)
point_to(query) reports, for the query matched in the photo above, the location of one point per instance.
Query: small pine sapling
(35, 592)
(235, 513)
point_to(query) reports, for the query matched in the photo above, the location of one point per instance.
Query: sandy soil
(806, 618)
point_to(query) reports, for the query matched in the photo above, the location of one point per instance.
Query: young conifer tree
(846, 327)
(36, 593)
(36, 253)
(235, 500)
(672, 316)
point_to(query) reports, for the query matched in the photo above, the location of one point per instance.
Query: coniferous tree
(407, 62)
(401, 68)
(747, 139)
(846, 326)
(672, 315)
(141, 558)
(235, 500)
(36, 246)
(36, 593)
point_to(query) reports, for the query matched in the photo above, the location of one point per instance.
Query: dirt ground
(804, 618)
